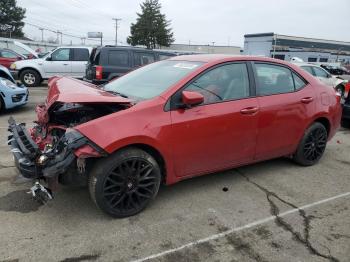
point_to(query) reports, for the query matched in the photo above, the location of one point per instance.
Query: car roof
(218, 58)
(74, 46)
(306, 64)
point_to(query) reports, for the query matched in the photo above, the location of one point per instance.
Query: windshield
(151, 80)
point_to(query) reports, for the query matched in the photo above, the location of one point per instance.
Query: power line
(58, 32)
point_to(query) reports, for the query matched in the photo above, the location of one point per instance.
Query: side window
(273, 79)
(320, 72)
(308, 69)
(81, 54)
(141, 59)
(7, 54)
(223, 83)
(298, 82)
(62, 54)
(118, 58)
(164, 56)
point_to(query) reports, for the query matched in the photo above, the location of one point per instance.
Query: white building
(285, 47)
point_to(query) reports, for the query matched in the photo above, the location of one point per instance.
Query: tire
(2, 105)
(124, 183)
(345, 123)
(30, 78)
(312, 145)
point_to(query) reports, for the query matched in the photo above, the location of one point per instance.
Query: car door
(58, 63)
(7, 58)
(286, 102)
(220, 132)
(79, 61)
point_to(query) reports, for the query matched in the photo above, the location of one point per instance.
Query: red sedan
(7, 57)
(171, 120)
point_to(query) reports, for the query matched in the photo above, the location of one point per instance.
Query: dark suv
(109, 62)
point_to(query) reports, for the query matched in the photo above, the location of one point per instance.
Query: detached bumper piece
(34, 163)
(24, 150)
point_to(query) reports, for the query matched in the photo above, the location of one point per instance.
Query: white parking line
(253, 224)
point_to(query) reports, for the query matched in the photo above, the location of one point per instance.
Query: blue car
(11, 95)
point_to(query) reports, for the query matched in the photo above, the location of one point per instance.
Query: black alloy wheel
(126, 188)
(312, 146)
(315, 144)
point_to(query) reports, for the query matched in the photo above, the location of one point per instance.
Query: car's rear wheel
(312, 145)
(30, 78)
(125, 183)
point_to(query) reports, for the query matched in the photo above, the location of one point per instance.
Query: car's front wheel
(312, 145)
(30, 77)
(125, 183)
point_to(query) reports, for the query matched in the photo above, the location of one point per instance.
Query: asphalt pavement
(270, 211)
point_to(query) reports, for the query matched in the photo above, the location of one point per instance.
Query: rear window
(308, 69)
(95, 56)
(164, 56)
(273, 79)
(141, 59)
(80, 54)
(118, 58)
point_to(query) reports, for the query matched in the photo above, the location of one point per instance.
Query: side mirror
(49, 58)
(329, 76)
(19, 58)
(190, 98)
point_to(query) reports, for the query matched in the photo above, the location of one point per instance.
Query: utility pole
(42, 34)
(116, 29)
(83, 40)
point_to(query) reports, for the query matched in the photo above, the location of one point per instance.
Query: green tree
(11, 17)
(151, 28)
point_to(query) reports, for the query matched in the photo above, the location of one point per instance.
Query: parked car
(346, 113)
(7, 57)
(171, 120)
(11, 94)
(335, 82)
(62, 61)
(109, 62)
(336, 70)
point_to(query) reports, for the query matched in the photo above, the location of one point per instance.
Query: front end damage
(53, 151)
(51, 154)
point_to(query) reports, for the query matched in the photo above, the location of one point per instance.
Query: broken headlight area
(51, 153)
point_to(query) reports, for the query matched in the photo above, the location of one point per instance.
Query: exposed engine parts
(72, 114)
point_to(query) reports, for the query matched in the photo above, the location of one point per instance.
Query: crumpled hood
(70, 90)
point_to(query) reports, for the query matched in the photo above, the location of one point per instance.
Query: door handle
(249, 110)
(307, 100)
(65, 64)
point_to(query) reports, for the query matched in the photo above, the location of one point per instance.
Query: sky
(224, 22)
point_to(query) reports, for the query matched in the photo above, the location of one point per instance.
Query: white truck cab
(62, 61)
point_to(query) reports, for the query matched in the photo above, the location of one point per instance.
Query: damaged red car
(172, 120)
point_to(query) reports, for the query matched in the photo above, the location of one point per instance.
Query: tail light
(99, 70)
